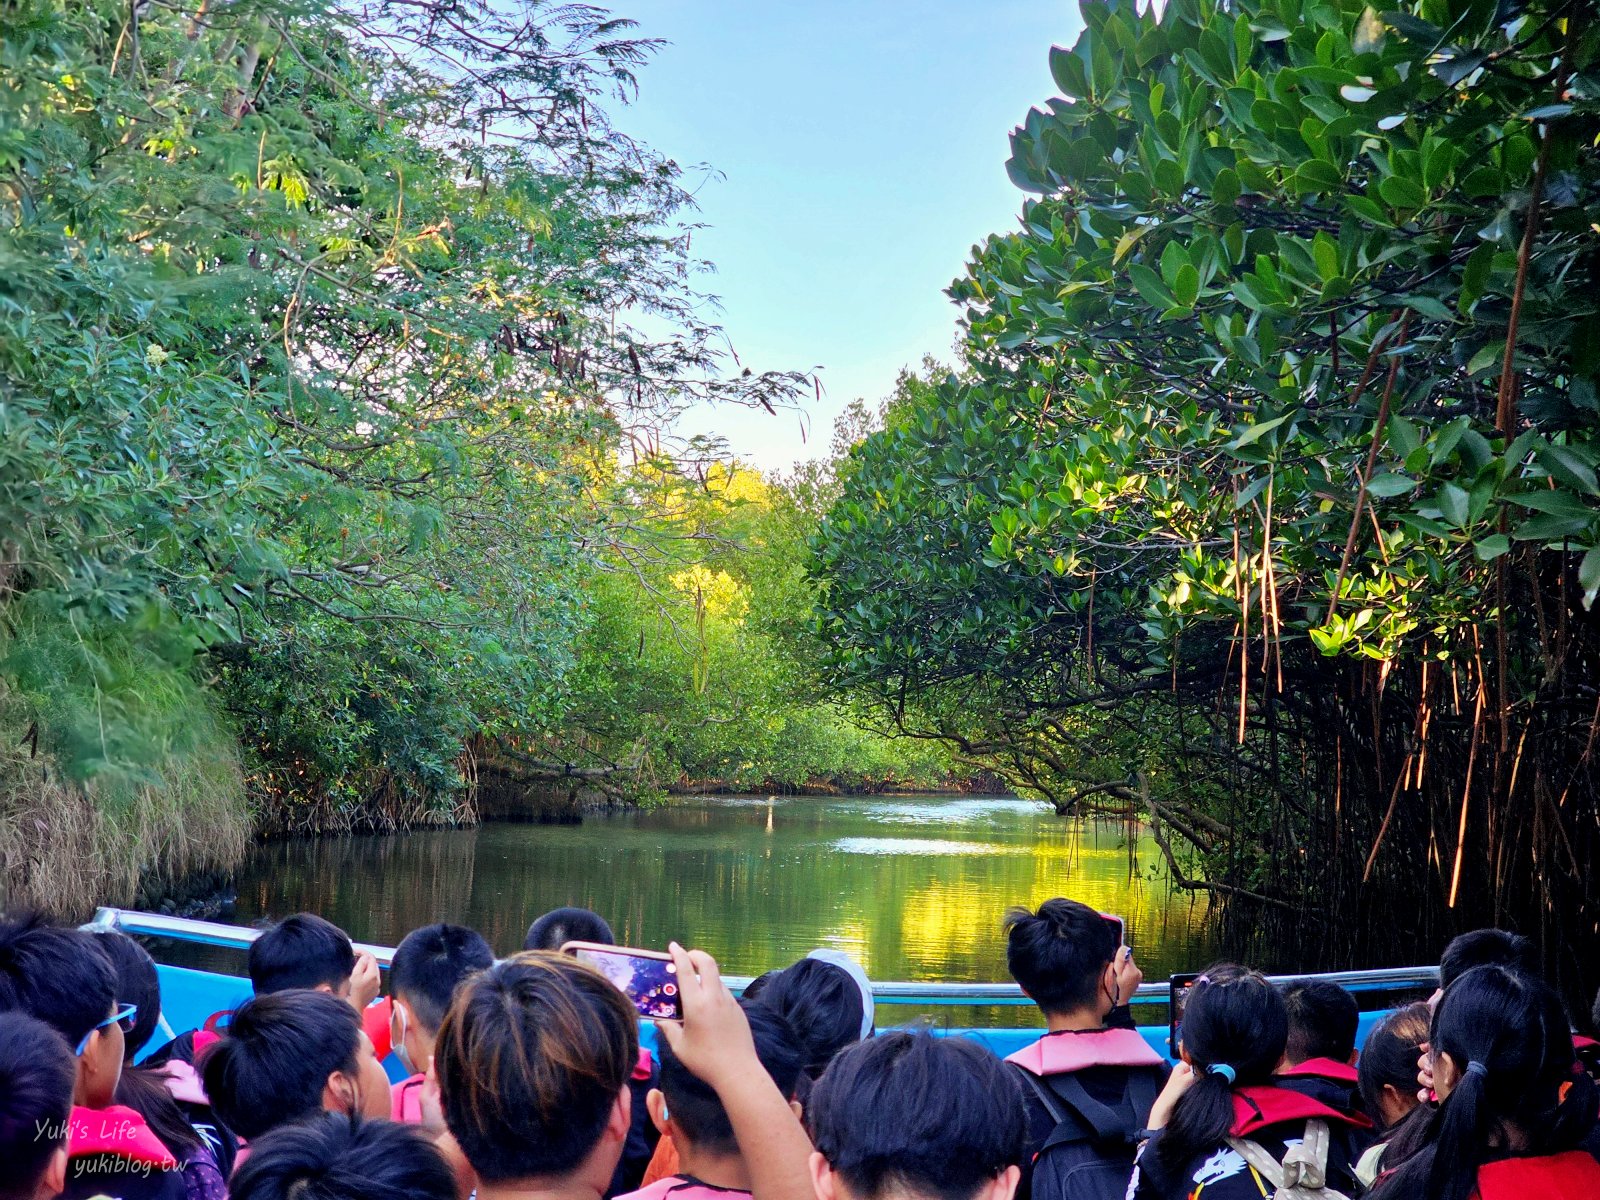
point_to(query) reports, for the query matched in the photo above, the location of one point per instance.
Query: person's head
(287, 1055)
(1503, 1068)
(533, 1060)
(1063, 957)
(429, 964)
(689, 1108)
(302, 951)
(137, 984)
(562, 925)
(37, 1077)
(1234, 1032)
(1323, 1019)
(336, 1157)
(1486, 948)
(64, 978)
(822, 1004)
(912, 1117)
(1387, 1072)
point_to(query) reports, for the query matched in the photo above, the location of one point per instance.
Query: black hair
(1506, 1034)
(1390, 1056)
(693, 1103)
(337, 1157)
(275, 1057)
(532, 1058)
(1487, 948)
(37, 1076)
(137, 983)
(760, 983)
(59, 975)
(1239, 1022)
(1059, 954)
(911, 1113)
(821, 1004)
(562, 925)
(302, 951)
(1323, 1020)
(430, 963)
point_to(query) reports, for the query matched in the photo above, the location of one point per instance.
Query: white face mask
(399, 1046)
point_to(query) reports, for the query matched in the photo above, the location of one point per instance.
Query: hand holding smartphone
(649, 978)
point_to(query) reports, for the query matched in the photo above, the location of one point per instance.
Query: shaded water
(915, 887)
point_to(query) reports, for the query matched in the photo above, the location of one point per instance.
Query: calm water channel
(914, 886)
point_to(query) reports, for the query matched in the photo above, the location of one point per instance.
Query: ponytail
(1235, 1026)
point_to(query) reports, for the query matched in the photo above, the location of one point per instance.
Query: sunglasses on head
(125, 1016)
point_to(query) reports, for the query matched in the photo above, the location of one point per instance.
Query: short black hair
(37, 1076)
(1487, 948)
(693, 1103)
(137, 983)
(1059, 953)
(59, 975)
(336, 1157)
(532, 1057)
(431, 962)
(822, 1006)
(1323, 1019)
(910, 1113)
(275, 1057)
(302, 951)
(562, 925)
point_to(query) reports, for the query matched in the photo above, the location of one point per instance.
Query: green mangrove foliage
(1265, 503)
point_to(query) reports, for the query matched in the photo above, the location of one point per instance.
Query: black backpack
(1089, 1154)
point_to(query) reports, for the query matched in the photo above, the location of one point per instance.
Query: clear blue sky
(863, 146)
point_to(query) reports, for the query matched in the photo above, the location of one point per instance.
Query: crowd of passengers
(526, 1077)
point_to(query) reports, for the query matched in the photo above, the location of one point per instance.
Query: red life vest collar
(1073, 1050)
(1581, 1043)
(645, 1066)
(117, 1131)
(1324, 1068)
(1257, 1108)
(1574, 1175)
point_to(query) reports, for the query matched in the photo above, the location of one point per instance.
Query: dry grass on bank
(67, 847)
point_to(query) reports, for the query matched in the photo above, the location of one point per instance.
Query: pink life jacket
(116, 1131)
(1574, 1175)
(1070, 1050)
(683, 1187)
(1325, 1068)
(406, 1100)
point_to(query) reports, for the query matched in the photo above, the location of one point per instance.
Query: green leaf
(1390, 484)
(1186, 287)
(1255, 433)
(1150, 288)
(1400, 192)
(1454, 506)
(1225, 187)
(1318, 175)
(1570, 467)
(1589, 576)
(1492, 547)
(1326, 251)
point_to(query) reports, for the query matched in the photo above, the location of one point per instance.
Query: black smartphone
(1119, 927)
(1177, 994)
(649, 978)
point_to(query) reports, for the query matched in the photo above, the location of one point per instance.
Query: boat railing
(1385, 980)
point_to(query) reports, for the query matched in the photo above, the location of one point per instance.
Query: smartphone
(1177, 994)
(649, 978)
(1118, 927)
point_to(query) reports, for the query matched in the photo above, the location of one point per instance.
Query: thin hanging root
(1466, 793)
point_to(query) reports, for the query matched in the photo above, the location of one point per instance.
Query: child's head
(37, 1076)
(533, 1060)
(1388, 1067)
(285, 1056)
(302, 951)
(63, 978)
(1486, 948)
(429, 964)
(1323, 1019)
(823, 1006)
(335, 1157)
(699, 1123)
(914, 1117)
(562, 925)
(137, 984)
(1234, 1032)
(1503, 1067)
(1062, 956)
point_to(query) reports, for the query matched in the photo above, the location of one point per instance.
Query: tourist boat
(190, 997)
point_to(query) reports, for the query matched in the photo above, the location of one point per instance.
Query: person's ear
(325, 988)
(1003, 1186)
(339, 1094)
(1183, 1054)
(1446, 1073)
(54, 1180)
(822, 1178)
(621, 1118)
(656, 1105)
(799, 1111)
(1355, 1057)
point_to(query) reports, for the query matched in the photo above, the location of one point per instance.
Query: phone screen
(1177, 994)
(649, 980)
(1118, 928)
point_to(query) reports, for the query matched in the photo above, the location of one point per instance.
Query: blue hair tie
(1476, 1068)
(1224, 1070)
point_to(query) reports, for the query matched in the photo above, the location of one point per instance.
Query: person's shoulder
(679, 1187)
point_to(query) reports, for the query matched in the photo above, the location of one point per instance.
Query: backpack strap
(1065, 1097)
(1304, 1169)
